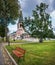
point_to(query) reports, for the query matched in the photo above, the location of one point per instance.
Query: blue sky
(28, 5)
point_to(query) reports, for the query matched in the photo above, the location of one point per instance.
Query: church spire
(20, 17)
(19, 24)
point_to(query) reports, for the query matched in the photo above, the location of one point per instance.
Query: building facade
(20, 33)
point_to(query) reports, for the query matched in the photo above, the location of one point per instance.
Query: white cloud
(52, 14)
(12, 28)
(28, 5)
(22, 2)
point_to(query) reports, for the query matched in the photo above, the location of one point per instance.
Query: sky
(28, 5)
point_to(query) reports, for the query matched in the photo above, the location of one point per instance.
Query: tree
(50, 34)
(40, 24)
(9, 11)
(2, 30)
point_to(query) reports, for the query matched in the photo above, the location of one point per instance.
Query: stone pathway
(1, 56)
(4, 58)
(7, 60)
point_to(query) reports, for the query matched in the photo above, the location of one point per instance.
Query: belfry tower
(20, 29)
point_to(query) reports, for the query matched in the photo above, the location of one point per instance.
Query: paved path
(1, 56)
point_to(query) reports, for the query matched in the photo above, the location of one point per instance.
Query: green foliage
(9, 12)
(40, 25)
(2, 29)
(9, 9)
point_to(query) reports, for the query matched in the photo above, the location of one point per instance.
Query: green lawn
(36, 53)
(18, 41)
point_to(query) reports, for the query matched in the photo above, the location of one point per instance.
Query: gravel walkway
(4, 58)
(7, 60)
(1, 56)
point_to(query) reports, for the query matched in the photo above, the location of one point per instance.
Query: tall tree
(9, 11)
(2, 30)
(40, 24)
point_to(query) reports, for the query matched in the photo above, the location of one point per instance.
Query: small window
(20, 25)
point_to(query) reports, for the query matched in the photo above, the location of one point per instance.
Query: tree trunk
(41, 40)
(6, 35)
(8, 41)
(3, 39)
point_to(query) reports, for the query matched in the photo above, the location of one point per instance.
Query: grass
(36, 53)
(18, 41)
